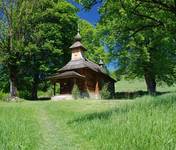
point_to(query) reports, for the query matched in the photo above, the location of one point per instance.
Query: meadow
(142, 123)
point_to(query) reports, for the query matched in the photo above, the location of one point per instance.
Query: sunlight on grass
(146, 123)
(18, 128)
(149, 124)
(140, 85)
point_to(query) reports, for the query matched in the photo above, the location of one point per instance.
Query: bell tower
(77, 49)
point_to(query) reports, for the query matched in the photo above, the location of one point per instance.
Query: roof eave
(74, 47)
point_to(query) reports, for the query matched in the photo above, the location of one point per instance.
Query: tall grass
(147, 124)
(144, 123)
(18, 128)
(140, 85)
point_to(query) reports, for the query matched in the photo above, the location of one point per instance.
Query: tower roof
(78, 37)
(77, 42)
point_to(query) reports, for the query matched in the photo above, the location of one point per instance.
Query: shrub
(85, 94)
(76, 92)
(24, 94)
(105, 93)
(4, 97)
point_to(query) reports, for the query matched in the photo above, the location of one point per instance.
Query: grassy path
(49, 134)
(53, 135)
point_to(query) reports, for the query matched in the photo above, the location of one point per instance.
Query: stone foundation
(62, 97)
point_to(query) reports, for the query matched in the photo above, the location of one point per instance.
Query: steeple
(77, 48)
(78, 36)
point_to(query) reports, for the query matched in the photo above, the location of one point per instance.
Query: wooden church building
(87, 75)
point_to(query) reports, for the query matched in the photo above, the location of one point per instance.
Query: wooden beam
(97, 90)
(74, 81)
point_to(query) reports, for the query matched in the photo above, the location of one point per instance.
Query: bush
(105, 93)
(24, 94)
(4, 97)
(85, 94)
(76, 92)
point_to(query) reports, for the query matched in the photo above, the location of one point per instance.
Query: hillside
(145, 123)
(140, 85)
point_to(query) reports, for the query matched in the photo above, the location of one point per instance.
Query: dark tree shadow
(100, 115)
(39, 99)
(159, 101)
(135, 94)
(44, 98)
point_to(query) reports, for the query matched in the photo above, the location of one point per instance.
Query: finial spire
(78, 28)
(78, 36)
(101, 63)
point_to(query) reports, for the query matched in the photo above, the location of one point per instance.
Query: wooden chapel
(87, 75)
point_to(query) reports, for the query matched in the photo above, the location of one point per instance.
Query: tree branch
(170, 8)
(137, 13)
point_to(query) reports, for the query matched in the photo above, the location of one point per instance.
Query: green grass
(145, 123)
(18, 127)
(140, 85)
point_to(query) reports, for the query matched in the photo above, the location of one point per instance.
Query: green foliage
(4, 97)
(88, 4)
(35, 37)
(139, 35)
(25, 94)
(4, 79)
(42, 32)
(76, 92)
(53, 28)
(13, 28)
(105, 93)
(91, 40)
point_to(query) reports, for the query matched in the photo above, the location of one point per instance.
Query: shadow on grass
(100, 115)
(133, 95)
(44, 98)
(39, 99)
(142, 106)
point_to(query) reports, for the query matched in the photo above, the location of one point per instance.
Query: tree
(4, 79)
(105, 93)
(90, 38)
(140, 36)
(13, 24)
(53, 25)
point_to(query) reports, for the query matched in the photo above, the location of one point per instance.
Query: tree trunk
(13, 80)
(13, 84)
(150, 82)
(34, 91)
(12, 67)
(35, 87)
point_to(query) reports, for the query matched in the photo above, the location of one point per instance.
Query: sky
(91, 16)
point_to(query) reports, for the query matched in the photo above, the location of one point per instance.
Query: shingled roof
(67, 74)
(77, 44)
(84, 63)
